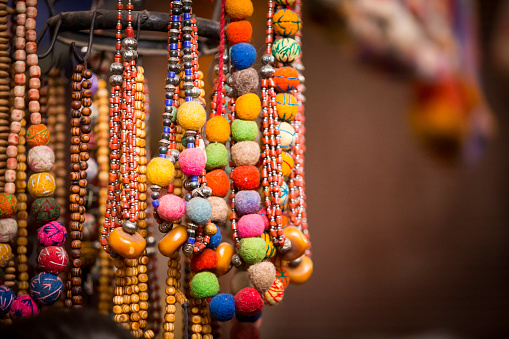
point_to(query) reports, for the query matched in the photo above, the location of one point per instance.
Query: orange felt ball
(206, 260)
(37, 135)
(239, 9)
(218, 181)
(218, 129)
(246, 177)
(286, 79)
(239, 31)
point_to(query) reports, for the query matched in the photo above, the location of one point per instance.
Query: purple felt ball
(192, 161)
(6, 299)
(247, 202)
(46, 288)
(52, 234)
(23, 306)
(171, 207)
(250, 226)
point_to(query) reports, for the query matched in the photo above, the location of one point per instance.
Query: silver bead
(165, 227)
(286, 247)
(130, 43)
(225, 57)
(187, 2)
(202, 192)
(299, 67)
(230, 92)
(191, 233)
(236, 260)
(187, 58)
(268, 59)
(188, 197)
(175, 154)
(216, 69)
(170, 88)
(155, 188)
(190, 133)
(130, 55)
(302, 79)
(196, 92)
(188, 85)
(151, 241)
(267, 71)
(173, 81)
(187, 29)
(129, 227)
(229, 80)
(164, 142)
(191, 185)
(296, 262)
(151, 251)
(116, 68)
(173, 31)
(173, 60)
(116, 80)
(188, 249)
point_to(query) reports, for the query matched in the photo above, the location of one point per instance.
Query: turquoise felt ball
(199, 210)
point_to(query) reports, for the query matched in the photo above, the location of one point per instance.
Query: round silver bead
(231, 92)
(130, 43)
(229, 80)
(155, 188)
(268, 59)
(286, 247)
(267, 71)
(116, 80)
(173, 81)
(299, 67)
(188, 197)
(187, 58)
(187, 29)
(216, 69)
(236, 260)
(188, 249)
(175, 154)
(170, 88)
(225, 57)
(130, 55)
(188, 85)
(151, 241)
(191, 185)
(129, 227)
(116, 68)
(196, 92)
(295, 263)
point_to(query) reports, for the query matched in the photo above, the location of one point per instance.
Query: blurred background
(407, 168)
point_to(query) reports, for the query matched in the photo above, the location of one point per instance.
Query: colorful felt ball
(287, 164)
(275, 293)
(217, 156)
(192, 161)
(270, 249)
(6, 254)
(8, 205)
(248, 301)
(215, 240)
(265, 217)
(8, 229)
(285, 2)
(205, 260)
(218, 129)
(204, 285)
(41, 185)
(262, 275)
(282, 275)
(287, 135)
(52, 234)
(44, 210)
(286, 50)
(23, 306)
(242, 55)
(247, 202)
(53, 259)
(246, 177)
(244, 130)
(219, 182)
(191, 115)
(239, 31)
(171, 207)
(286, 22)
(41, 158)
(239, 9)
(245, 153)
(37, 135)
(6, 298)
(286, 106)
(46, 288)
(220, 209)
(245, 81)
(222, 307)
(248, 106)
(286, 79)
(199, 210)
(160, 171)
(252, 250)
(250, 225)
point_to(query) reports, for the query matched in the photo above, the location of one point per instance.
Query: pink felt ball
(23, 306)
(250, 225)
(171, 207)
(192, 161)
(265, 217)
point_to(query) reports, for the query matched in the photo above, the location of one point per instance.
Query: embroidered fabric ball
(52, 234)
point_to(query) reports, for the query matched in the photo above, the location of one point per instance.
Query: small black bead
(174, 53)
(189, 93)
(154, 195)
(168, 95)
(175, 25)
(174, 68)
(188, 78)
(163, 150)
(187, 37)
(166, 122)
(165, 136)
(176, 11)
(186, 9)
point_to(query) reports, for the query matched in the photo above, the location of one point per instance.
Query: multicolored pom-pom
(46, 288)
(171, 207)
(6, 254)
(41, 158)
(52, 234)
(287, 135)
(53, 259)
(248, 302)
(217, 156)
(287, 164)
(44, 210)
(275, 293)
(23, 306)
(192, 161)
(8, 205)
(270, 249)
(37, 135)
(218, 181)
(286, 22)
(222, 307)
(160, 171)
(247, 202)
(286, 50)
(41, 185)
(204, 285)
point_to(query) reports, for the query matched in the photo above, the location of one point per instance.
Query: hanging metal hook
(142, 15)
(53, 39)
(84, 59)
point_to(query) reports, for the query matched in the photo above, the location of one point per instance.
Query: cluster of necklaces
(226, 188)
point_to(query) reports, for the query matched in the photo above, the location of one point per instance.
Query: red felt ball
(246, 177)
(206, 260)
(53, 259)
(239, 31)
(218, 181)
(248, 301)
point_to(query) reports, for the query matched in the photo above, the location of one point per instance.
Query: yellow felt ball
(5, 254)
(287, 165)
(191, 115)
(286, 106)
(248, 106)
(41, 185)
(239, 9)
(218, 129)
(286, 22)
(160, 171)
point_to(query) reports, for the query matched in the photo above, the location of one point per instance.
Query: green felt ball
(252, 250)
(204, 285)
(217, 156)
(244, 130)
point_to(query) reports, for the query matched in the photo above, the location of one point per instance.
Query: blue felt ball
(247, 202)
(248, 318)
(199, 210)
(46, 288)
(215, 240)
(6, 298)
(222, 307)
(242, 55)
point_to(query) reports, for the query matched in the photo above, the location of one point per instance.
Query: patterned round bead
(275, 293)
(8, 205)
(287, 135)
(286, 22)
(287, 165)
(282, 275)
(52, 234)
(23, 306)
(44, 210)
(286, 50)
(46, 288)
(53, 259)
(41, 185)
(285, 2)
(270, 249)
(286, 106)
(8, 229)
(6, 299)
(37, 135)
(41, 158)
(286, 79)
(6, 254)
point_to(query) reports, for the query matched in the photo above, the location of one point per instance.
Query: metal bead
(188, 92)
(268, 59)
(231, 92)
(188, 197)
(187, 58)
(195, 92)
(154, 195)
(170, 89)
(116, 80)
(173, 61)
(286, 247)
(188, 85)
(165, 227)
(151, 251)
(225, 57)
(187, 29)
(236, 260)
(229, 80)
(216, 69)
(188, 249)
(155, 188)
(191, 185)
(130, 43)
(151, 241)
(175, 154)
(267, 71)
(174, 68)
(191, 233)
(173, 81)
(299, 67)
(190, 133)
(295, 263)
(129, 227)
(116, 68)
(203, 192)
(164, 142)
(174, 32)
(302, 79)
(130, 55)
